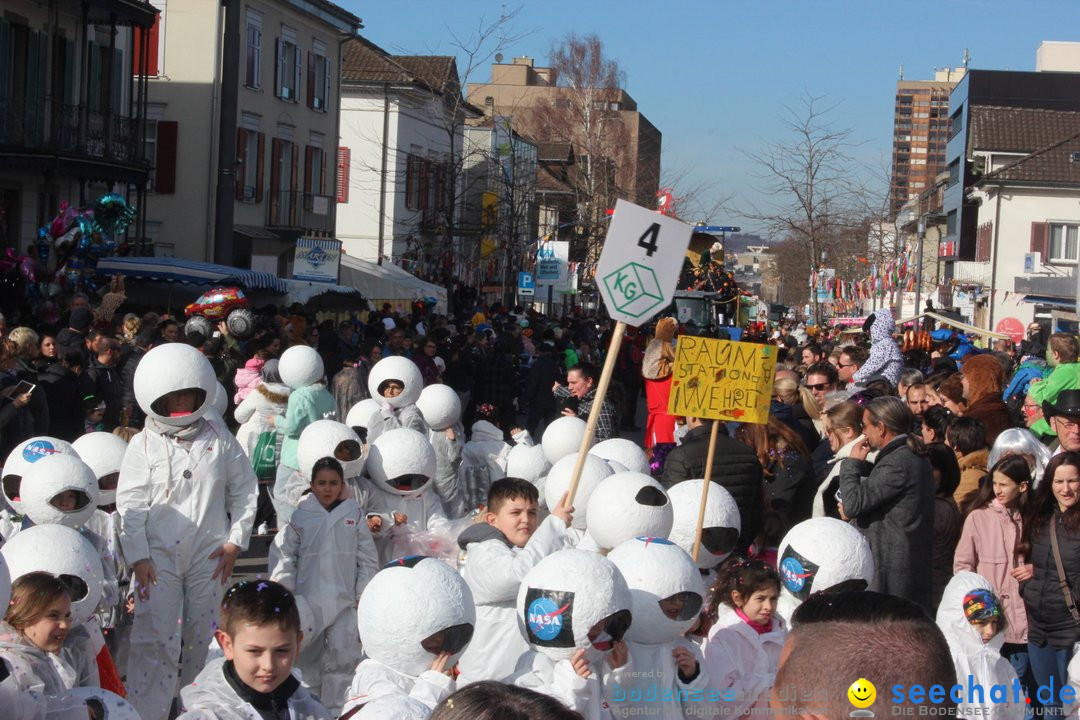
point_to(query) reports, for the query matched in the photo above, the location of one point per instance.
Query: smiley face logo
(862, 693)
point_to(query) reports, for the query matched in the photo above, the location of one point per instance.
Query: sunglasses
(819, 386)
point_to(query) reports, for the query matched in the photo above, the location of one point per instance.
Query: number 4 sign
(640, 263)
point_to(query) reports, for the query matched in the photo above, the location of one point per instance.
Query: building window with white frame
(1063, 242)
(287, 65)
(253, 57)
(318, 90)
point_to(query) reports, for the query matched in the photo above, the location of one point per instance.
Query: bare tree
(696, 198)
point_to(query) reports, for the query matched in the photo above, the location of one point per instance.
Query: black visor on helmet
(81, 499)
(687, 605)
(719, 540)
(450, 640)
(347, 451)
(413, 481)
(11, 485)
(615, 626)
(109, 482)
(76, 586)
(361, 432)
(160, 406)
(651, 496)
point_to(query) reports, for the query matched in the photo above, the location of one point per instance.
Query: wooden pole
(594, 411)
(705, 488)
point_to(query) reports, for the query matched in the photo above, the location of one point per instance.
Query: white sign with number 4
(640, 263)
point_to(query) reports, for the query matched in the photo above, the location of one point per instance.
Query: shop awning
(942, 320)
(170, 269)
(388, 283)
(303, 291)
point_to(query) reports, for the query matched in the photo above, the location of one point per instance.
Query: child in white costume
(500, 552)
(626, 505)
(573, 608)
(557, 483)
(441, 408)
(720, 527)
(16, 464)
(415, 617)
(186, 499)
(395, 383)
(326, 556)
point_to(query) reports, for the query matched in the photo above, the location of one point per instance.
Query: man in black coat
(545, 371)
(735, 467)
(64, 391)
(103, 374)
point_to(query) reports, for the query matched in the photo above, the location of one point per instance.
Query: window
(250, 177)
(954, 172)
(1063, 242)
(287, 66)
(315, 161)
(950, 223)
(956, 123)
(318, 89)
(253, 59)
(150, 152)
(282, 182)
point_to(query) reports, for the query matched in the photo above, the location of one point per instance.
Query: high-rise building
(920, 132)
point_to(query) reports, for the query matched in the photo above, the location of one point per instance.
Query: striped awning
(170, 269)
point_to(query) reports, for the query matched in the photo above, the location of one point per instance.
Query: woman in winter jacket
(789, 474)
(983, 384)
(947, 519)
(967, 437)
(843, 428)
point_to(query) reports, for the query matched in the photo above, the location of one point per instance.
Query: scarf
(183, 433)
(758, 627)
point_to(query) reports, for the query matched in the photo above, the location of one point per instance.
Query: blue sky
(714, 76)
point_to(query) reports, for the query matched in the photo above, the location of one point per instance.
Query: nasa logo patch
(37, 450)
(549, 617)
(797, 573)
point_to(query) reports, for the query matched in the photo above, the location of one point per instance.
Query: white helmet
(627, 505)
(625, 452)
(104, 453)
(562, 437)
(300, 366)
(328, 438)
(168, 368)
(360, 416)
(659, 570)
(564, 596)
(527, 462)
(51, 476)
(63, 553)
(402, 461)
(558, 483)
(720, 529)
(397, 368)
(108, 705)
(440, 406)
(823, 553)
(22, 457)
(219, 401)
(405, 604)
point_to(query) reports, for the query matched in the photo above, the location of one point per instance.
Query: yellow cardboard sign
(722, 380)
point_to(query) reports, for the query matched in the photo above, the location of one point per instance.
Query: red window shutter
(149, 64)
(309, 155)
(343, 174)
(1040, 238)
(310, 79)
(165, 167)
(260, 148)
(241, 157)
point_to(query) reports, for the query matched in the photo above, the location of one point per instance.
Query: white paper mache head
(593, 472)
(627, 505)
(20, 460)
(564, 596)
(61, 552)
(104, 453)
(407, 603)
(440, 406)
(51, 476)
(300, 366)
(527, 462)
(562, 438)
(721, 526)
(821, 554)
(626, 453)
(169, 368)
(361, 414)
(329, 438)
(397, 368)
(219, 401)
(658, 570)
(401, 461)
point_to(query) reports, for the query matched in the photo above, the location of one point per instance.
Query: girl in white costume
(395, 383)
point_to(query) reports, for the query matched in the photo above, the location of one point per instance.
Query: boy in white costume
(416, 616)
(821, 554)
(626, 505)
(557, 483)
(186, 499)
(16, 464)
(326, 556)
(501, 551)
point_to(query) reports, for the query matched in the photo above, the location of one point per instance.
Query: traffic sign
(717, 229)
(526, 283)
(640, 263)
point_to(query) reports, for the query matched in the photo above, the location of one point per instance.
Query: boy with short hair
(1062, 354)
(260, 635)
(501, 551)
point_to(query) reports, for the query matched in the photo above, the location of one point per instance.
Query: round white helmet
(627, 505)
(440, 406)
(405, 604)
(219, 401)
(565, 596)
(108, 705)
(328, 438)
(300, 366)
(625, 452)
(562, 437)
(824, 553)
(397, 368)
(558, 483)
(22, 457)
(720, 529)
(527, 462)
(658, 570)
(51, 476)
(169, 368)
(104, 453)
(402, 461)
(63, 553)
(361, 414)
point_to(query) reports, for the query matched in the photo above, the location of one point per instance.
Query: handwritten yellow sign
(722, 380)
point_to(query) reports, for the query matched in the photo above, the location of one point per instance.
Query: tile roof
(1050, 164)
(1012, 129)
(366, 62)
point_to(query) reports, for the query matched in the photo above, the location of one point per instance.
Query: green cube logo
(634, 289)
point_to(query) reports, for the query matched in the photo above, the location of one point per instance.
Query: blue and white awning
(180, 270)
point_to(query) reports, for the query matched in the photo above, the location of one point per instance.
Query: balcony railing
(74, 129)
(301, 210)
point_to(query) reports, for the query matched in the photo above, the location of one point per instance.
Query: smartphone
(22, 388)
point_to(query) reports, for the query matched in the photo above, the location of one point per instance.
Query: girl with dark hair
(935, 421)
(1052, 523)
(789, 472)
(947, 518)
(490, 700)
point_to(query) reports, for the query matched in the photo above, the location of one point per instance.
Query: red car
(223, 303)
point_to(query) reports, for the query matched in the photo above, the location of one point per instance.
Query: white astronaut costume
(483, 460)
(185, 490)
(326, 558)
(328, 438)
(440, 407)
(18, 461)
(657, 569)
(528, 462)
(410, 601)
(624, 452)
(562, 437)
(400, 465)
(742, 664)
(821, 554)
(973, 657)
(593, 472)
(399, 411)
(559, 603)
(398, 707)
(211, 697)
(360, 416)
(627, 505)
(720, 528)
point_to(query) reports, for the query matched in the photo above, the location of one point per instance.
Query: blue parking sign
(526, 283)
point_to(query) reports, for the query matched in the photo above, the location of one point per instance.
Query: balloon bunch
(72, 242)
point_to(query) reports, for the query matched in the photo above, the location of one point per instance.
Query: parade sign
(317, 259)
(722, 380)
(640, 263)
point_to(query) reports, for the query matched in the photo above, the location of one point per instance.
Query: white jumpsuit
(557, 679)
(32, 687)
(179, 501)
(423, 508)
(211, 697)
(740, 661)
(650, 670)
(374, 679)
(326, 558)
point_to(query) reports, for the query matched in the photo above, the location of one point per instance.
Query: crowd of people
(907, 516)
